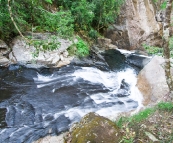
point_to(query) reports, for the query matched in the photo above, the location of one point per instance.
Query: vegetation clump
(63, 18)
(151, 125)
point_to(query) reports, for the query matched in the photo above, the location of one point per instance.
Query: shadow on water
(46, 101)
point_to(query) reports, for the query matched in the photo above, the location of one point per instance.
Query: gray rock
(23, 53)
(65, 53)
(55, 59)
(151, 81)
(61, 57)
(3, 45)
(4, 49)
(135, 25)
(3, 61)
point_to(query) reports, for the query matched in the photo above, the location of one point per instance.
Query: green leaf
(163, 5)
(48, 1)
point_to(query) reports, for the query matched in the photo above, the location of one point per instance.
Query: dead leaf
(151, 137)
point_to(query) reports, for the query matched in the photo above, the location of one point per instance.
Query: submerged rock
(94, 129)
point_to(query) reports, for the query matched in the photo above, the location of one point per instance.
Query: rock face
(151, 81)
(24, 53)
(105, 44)
(4, 50)
(136, 24)
(94, 129)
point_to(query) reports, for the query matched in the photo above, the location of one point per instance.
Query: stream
(47, 101)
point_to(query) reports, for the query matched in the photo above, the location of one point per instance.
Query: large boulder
(136, 25)
(25, 53)
(94, 129)
(151, 81)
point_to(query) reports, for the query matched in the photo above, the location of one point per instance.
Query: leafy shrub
(60, 22)
(105, 12)
(48, 1)
(165, 106)
(49, 44)
(159, 51)
(83, 14)
(82, 48)
(171, 46)
(153, 50)
(6, 26)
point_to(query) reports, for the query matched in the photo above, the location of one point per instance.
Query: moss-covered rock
(95, 129)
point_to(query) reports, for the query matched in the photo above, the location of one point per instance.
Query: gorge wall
(139, 22)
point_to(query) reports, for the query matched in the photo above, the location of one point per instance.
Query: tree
(166, 35)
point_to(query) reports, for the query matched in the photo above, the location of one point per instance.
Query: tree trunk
(166, 35)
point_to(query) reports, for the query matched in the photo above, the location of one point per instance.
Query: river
(46, 101)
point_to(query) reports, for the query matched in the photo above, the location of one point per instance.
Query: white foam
(112, 81)
(41, 78)
(130, 78)
(108, 79)
(125, 51)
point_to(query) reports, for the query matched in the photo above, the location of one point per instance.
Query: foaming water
(94, 75)
(47, 101)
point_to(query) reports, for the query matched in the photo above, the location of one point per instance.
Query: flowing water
(38, 102)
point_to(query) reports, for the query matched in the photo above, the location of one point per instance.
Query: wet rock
(124, 85)
(151, 81)
(138, 61)
(94, 129)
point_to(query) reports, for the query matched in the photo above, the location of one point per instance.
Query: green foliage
(168, 106)
(171, 46)
(60, 22)
(49, 44)
(88, 14)
(83, 14)
(152, 50)
(61, 17)
(72, 50)
(48, 1)
(21, 11)
(105, 12)
(93, 34)
(82, 48)
(155, 1)
(165, 106)
(142, 115)
(163, 5)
